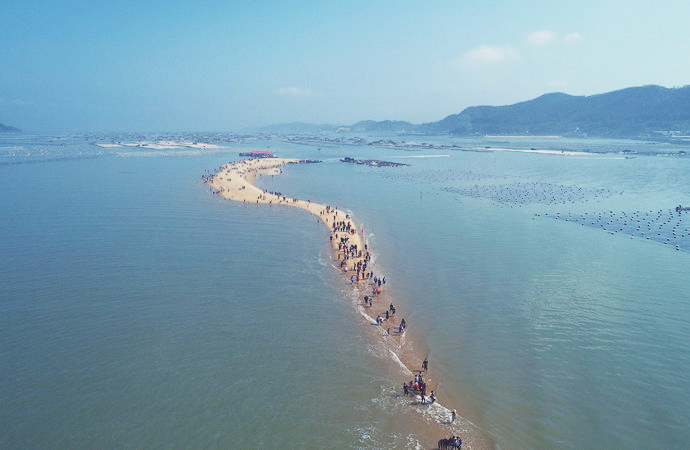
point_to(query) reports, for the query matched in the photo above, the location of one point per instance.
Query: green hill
(632, 112)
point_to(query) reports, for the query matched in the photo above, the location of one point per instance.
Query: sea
(550, 291)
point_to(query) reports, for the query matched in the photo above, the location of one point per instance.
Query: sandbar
(236, 181)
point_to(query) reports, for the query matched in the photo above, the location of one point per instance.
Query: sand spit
(351, 255)
(543, 152)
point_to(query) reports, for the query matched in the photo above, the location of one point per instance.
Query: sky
(169, 66)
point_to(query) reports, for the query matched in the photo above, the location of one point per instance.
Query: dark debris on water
(520, 194)
(665, 226)
(436, 176)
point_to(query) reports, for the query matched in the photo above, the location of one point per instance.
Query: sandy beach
(237, 181)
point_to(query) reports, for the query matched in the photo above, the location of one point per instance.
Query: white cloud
(293, 91)
(490, 53)
(541, 37)
(572, 38)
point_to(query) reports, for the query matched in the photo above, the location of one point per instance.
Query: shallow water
(139, 310)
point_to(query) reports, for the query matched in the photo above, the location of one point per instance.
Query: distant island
(646, 112)
(8, 129)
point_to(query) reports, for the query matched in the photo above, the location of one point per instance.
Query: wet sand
(236, 181)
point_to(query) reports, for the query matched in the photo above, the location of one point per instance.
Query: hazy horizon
(77, 66)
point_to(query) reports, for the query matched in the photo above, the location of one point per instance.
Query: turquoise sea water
(139, 310)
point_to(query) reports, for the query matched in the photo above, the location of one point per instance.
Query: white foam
(437, 412)
(413, 443)
(367, 316)
(400, 363)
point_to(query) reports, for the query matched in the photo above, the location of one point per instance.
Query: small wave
(366, 316)
(400, 363)
(438, 413)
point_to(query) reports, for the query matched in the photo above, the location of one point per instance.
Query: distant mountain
(364, 126)
(391, 126)
(632, 112)
(8, 129)
(636, 112)
(298, 127)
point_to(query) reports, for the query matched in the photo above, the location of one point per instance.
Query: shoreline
(237, 181)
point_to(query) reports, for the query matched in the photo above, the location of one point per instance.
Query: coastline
(237, 181)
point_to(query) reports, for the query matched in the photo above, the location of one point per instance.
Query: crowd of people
(451, 442)
(356, 259)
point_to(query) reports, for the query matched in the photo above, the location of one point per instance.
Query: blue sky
(226, 65)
